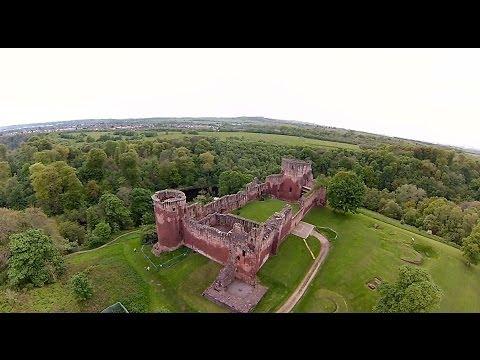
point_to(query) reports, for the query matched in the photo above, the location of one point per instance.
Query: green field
(368, 248)
(283, 272)
(270, 138)
(261, 210)
(118, 272)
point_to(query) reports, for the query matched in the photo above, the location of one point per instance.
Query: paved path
(303, 286)
(303, 229)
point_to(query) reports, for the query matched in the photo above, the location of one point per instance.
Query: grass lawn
(118, 273)
(270, 138)
(283, 272)
(261, 210)
(362, 252)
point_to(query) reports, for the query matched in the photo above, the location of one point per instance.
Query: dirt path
(303, 286)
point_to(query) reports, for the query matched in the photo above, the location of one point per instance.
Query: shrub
(81, 287)
(72, 231)
(100, 235)
(148, 235)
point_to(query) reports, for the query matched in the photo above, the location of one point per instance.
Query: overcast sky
(425, 94)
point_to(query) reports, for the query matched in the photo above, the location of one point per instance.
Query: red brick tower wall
(169, 206)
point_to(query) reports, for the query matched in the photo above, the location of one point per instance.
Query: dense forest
(80, 189)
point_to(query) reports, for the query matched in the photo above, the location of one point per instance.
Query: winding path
(303, 286)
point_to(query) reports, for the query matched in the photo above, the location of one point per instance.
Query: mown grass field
(270, 138)
(283, 272)
(368, 248)
(261, 210)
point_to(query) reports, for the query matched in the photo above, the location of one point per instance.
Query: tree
(94, 215)
(392, 209)
(110, 147)
(92, 191)
(5, 172)
(56, 186)
(232, 181)
(124, 193)
(93, 167)
(81, 287)
(129, 165)
(72, 231)
(100, 235)
(15, 195)
(346, 191)
(33, 259)
(471, 246)
(3, 152)
(414, 291)
(116, 214)
(409, 193)
(141, 204)
(203, 197)
(207, 159)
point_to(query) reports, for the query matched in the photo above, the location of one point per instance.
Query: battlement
(169, 199)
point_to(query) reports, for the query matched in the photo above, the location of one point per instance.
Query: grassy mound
(410, 255)
(327, 301)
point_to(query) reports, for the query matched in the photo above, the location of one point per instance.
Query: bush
(100, 235)
(33, 259)
(148, 235)
(81, 287)
(72, 231)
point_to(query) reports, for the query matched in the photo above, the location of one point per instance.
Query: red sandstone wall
(290, 190)
(207, 245)
(169, 227)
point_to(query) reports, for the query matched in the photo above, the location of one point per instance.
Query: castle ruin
(241, 245)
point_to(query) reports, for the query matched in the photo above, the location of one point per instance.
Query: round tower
(169, 206)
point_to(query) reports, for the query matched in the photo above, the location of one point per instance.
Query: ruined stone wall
(242, 243)
(207, 240)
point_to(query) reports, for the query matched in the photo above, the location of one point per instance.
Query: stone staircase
(305, 189)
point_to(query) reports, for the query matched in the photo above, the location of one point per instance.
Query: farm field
(270, 138)
(367, 248)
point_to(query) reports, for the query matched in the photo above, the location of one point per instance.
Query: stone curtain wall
(253, 191)
(238, 242)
